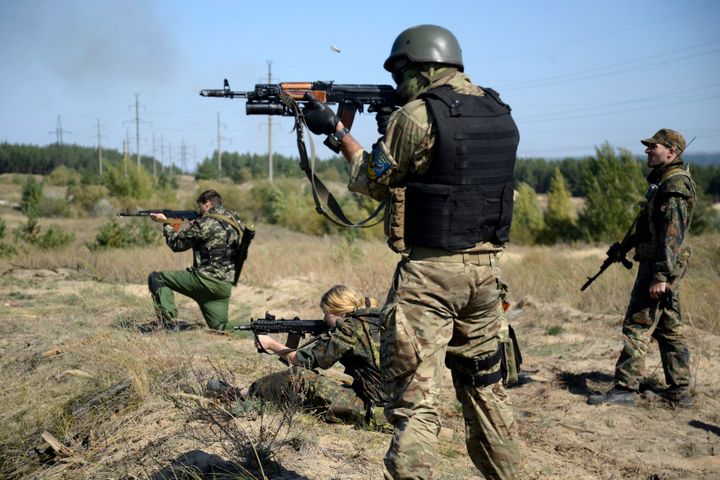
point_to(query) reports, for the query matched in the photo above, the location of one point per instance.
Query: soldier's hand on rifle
(320, 118)
(382, 117)
(158, 217)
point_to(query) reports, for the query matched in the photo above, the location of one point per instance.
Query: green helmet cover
(425, 44)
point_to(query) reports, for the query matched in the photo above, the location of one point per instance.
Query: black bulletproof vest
(466, 196)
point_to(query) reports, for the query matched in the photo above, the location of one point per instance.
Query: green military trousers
(301, 387)
(449, 305)
(647, 319)
(211, 295)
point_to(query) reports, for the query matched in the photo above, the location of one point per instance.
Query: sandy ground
(561, 436)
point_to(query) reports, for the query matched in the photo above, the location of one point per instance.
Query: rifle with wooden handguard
(272, 98)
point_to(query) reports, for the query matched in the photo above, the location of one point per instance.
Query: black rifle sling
(319, 190)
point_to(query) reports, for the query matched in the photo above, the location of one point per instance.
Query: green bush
(135, 233)
(85, 197)
(52, 238)
(54, 207)
(62, 176)
(127, 180)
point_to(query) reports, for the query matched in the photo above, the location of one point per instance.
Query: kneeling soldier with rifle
(659, 239)
(350, 337)
(220, 242)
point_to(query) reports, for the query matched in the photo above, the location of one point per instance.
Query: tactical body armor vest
(226, 254)
(466, 196)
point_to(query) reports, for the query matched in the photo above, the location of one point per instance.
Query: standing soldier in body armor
(444, 165)
(216, 238)
(662, 253)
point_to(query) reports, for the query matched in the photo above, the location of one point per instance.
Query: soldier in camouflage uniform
(215, 240)
(353, 341)
(445, 166)
(662, 254)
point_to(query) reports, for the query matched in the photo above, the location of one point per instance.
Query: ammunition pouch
(511, 358)
(395, 220)
(467, 371)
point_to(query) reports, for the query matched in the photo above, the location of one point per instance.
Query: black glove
(382, 117)
(319, 117)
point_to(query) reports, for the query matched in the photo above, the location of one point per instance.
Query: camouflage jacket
(664, 221)
(354, 343)
(214, 243)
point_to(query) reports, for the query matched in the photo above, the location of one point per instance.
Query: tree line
(240, 167)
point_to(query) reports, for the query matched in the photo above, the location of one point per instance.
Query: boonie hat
(667, 137)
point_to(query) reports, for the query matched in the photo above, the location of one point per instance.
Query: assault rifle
(170, 214)
(617, 253)
(277, 98)
(270, 324)
(295, 328)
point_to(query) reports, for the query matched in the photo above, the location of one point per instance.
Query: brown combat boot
(677, 396)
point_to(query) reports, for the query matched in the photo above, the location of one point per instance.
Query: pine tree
(527, 216)
(560, 216)
(614, 187)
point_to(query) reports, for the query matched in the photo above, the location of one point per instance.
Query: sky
(576, 73)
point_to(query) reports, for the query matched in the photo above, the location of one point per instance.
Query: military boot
(615, 396)
(679, 396)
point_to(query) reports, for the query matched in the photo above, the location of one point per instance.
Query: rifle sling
(319, 190)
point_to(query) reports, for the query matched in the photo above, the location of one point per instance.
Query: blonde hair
(343, 300)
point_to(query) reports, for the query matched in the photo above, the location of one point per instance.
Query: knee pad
(154, 282)
(474, 371)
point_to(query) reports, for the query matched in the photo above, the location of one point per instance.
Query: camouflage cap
(667, 137)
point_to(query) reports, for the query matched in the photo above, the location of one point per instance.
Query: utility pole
(153, 157)
(137, 126)
(162, 154)
(219, 155)
(100, 162)
(58, 132)
(170, 161)
(126, 151)
(270, 150)
(183, 152)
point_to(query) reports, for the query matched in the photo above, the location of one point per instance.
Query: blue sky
(576, 73)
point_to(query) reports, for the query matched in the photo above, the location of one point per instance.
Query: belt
(441, 255)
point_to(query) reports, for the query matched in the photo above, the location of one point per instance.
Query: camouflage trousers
(299, 387)
(211, 295)
(645, 320)
(437, 307)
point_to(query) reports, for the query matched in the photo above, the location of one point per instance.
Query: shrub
(62, 176)
(85, 197)
(127, 180)
(135, 233)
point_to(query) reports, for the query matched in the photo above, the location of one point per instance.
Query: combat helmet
(425, 44)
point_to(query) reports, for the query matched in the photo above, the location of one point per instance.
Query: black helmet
(425, 44)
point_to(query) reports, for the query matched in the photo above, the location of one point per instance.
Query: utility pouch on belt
(395, 220)
(511, 358)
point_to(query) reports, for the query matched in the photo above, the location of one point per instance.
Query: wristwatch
(334, 140)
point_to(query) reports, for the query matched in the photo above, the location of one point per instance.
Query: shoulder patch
(380, 162)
